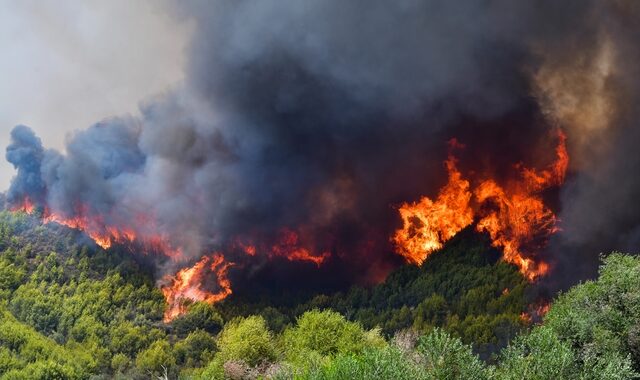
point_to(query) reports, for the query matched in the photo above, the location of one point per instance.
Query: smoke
(589, 85)
(320, 116)
(26, 154)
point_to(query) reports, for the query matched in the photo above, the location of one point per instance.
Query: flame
(25, 205)
(526, 318)
(515, 217)
(519, 220)
(555, 174)
(426, 224)
(100, 235)
(290, 247)
(535, 312)
(105, 235)
(543, 309)
(187, 285)
(249, 249)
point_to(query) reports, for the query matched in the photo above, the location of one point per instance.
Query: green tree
(540, 355)
(324, 332)
(245, 340)
(447, 358)
(197, 348)
(385, 363)
(600, 317)
(156, 358)
(200, 315)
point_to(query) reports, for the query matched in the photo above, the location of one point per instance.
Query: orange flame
(543, 309)
(25, 206)
(515, 223)
(518, 221)
(187, 285)
(290, 247)
(105, 235)
(100, 235)
(535, 313)
(426, 224)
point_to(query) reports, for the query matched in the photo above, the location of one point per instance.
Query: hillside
(72, 311)
(463, 288)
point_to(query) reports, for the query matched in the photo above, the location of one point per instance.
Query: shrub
(156, 358)
(447, 358)
(245, 340)
(325, 333)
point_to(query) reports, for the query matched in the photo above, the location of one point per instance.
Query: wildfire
(25, 206)
(518, 220)
(102, 236)
(426, 224)
(187, 285)
(515, 217)
(105, 235)
(535, 312)
(290, 247)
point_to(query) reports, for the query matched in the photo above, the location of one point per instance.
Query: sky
(68, 64)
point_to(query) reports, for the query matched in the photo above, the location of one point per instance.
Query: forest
(70, 310)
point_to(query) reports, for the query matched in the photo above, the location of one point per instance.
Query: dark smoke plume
(319, 116)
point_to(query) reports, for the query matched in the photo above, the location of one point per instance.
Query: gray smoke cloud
(319, 116)
(26, 155)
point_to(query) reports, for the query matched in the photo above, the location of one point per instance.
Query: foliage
(200, 315)
(324, 332)
(156, 358)
(463, 288)
(245, 340)
(437, 357)
(600, 319)
(71, 311)
(26, 354)
(196, 349)
(542, 355)
(378, 363)
(446, 357)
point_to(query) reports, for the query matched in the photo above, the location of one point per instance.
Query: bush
(246, 341)
(374, 363)
(156, 358)
(446, 357)
(538, 355)
(197, 348)
(200, 315)
(600, 317)
(325, 333)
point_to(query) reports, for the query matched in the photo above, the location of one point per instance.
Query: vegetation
(463, 288)
(70, 312)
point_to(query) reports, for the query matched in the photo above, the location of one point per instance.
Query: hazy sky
(68, 64)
